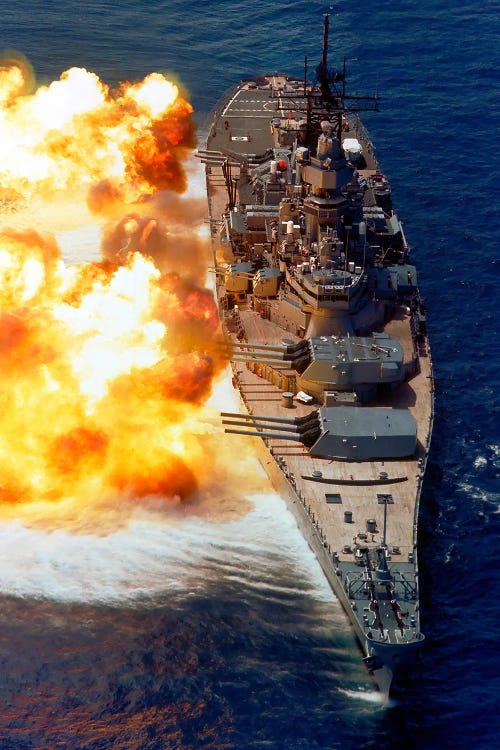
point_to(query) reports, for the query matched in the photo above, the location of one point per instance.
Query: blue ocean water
(232, 640)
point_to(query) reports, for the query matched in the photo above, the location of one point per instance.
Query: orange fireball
(77, 131)
(99, 372)
(105, 366)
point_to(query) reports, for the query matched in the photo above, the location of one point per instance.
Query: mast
(325, 42)
(322, 69)
(334, 97)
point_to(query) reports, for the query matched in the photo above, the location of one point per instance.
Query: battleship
(325, 328)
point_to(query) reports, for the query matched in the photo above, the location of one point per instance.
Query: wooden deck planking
(361, 500)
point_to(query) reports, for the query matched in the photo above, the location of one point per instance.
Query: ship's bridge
(325, 286)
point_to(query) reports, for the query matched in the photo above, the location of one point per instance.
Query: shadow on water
(232, 667)
(221, 669)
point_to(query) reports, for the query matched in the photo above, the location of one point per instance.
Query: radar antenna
(334, 97)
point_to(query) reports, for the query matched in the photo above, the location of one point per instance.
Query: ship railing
(354, 584)
(355, 124)
(409, 587)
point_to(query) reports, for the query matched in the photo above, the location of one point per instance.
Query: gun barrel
(280, 420)
(262, 425)
(264, 347)
(281, 436)
(265, 361)
(286, 348)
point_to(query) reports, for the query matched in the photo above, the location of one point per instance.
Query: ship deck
(241, 122)
(345, 489)
(345, 485)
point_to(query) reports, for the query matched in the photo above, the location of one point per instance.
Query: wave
(149, 557)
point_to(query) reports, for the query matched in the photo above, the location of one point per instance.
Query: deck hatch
(333, 497)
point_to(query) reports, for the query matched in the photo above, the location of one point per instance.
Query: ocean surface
(195, 635)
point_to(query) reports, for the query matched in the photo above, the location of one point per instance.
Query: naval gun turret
(360, 365)
(348, 433)
(324, 364)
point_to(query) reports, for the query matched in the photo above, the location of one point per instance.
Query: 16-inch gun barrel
(280, 420)
(280, 435)
(303, 430)
(291, 348)
(272, 426)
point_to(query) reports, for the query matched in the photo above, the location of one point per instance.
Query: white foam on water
(155, 554)
(372, 696)
(151, 557)
(475, 493)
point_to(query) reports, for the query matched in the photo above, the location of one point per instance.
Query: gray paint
(365, 433)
